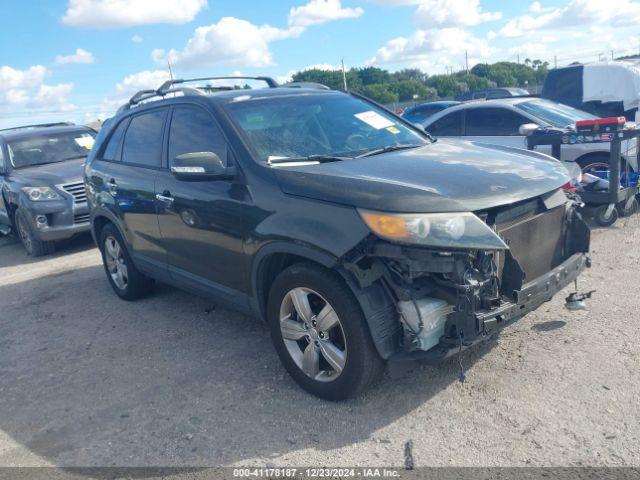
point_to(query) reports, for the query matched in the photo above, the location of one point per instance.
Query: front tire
(125, 279)
(321, 334)
(33, 246)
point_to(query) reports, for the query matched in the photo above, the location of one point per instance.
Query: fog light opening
(41, 221)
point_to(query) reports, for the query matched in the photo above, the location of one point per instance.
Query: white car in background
(499, 121)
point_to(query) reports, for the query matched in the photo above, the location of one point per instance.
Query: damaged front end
(448, 298)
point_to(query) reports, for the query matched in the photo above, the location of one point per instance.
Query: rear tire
(33, 246)
(334, 356)
(125, 279)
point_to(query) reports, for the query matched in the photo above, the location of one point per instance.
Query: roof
(19, 132)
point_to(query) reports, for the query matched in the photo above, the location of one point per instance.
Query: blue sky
(79, 59)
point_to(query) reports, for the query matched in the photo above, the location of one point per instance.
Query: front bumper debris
(527, 299)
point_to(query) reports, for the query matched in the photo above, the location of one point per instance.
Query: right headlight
(41, 194)
(445, 230)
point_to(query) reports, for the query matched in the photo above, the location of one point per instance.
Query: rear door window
(112, 149)
(195, 130)
(449, 125)
(494, 122)
(143, 140)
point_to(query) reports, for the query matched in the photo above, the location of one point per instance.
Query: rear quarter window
(449, 125)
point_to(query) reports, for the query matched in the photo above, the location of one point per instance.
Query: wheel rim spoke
(300, 299)
(327, 318)
(311, 361)
(292, 330)
(333, 355)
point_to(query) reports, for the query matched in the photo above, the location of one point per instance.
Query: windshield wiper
(309, 158)
(387, 149)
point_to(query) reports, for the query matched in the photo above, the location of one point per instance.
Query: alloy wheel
(116, 263)
(313, 334)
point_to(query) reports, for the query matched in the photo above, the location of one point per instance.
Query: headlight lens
(449, 230)
(41, 194)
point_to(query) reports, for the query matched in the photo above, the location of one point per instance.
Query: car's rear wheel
(124, 277)
(320, 333)
(33, 246)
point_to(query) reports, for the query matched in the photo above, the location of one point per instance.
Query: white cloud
(535, 7)
(614, 13)
(26, 89)
(321, 11)
(128, 86)
(426, 46)
(81, 56)
(137, 39)
(126, 13)
(231, 41)
(447, 13)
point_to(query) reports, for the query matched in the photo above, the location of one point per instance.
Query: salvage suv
(354, 234)
(42, 191)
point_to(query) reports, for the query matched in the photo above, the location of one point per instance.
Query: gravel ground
(90, 380)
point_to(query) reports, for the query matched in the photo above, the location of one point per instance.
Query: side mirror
(528, 128)
(200, 166)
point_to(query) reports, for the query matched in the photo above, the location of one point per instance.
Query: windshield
(554, 114)
(50, 148)
(300, 126)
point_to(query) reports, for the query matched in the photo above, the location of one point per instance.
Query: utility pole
(466, 60)
(518, 59)
(170, 70)
(344, 75)
(612, 55)
(555, 61)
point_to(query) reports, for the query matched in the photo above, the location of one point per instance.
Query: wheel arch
(600, 155)
(273, 259)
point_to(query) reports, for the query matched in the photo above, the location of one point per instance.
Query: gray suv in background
(42, 191)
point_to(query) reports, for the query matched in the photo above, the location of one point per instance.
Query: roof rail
(39, 125)
(318, 86)
(271, 83)
(168, 87)
(143, 95)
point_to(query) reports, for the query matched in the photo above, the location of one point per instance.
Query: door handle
(165, 197)
(113, 187)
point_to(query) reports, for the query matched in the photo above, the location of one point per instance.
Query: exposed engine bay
(451, 297)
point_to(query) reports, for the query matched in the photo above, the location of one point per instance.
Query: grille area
(77, 190)
(82, 218)
(536, 242)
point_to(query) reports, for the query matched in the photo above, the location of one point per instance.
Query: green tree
(445, 85)
(373, 75)
(380, 93)
(410, 74)
(411, 89)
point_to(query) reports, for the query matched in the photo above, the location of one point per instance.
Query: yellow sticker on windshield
(393, 130)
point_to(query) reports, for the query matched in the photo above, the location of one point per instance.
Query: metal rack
(604, 206)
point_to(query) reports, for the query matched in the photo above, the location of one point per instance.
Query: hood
(50, 173)
(447, 176)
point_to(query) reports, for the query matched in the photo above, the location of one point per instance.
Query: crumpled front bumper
(527, 299)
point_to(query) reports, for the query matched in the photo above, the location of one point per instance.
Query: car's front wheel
(124, 277)
(320, 333)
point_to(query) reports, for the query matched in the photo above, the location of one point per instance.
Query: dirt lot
(89, 380)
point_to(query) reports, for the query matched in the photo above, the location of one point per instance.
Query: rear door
(4, 217)
(495, 125)
(132, 160)
(201, 221)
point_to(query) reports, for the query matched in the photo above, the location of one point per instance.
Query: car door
(201, 221)
(4, 217)
(132, 158)
(495, 125)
